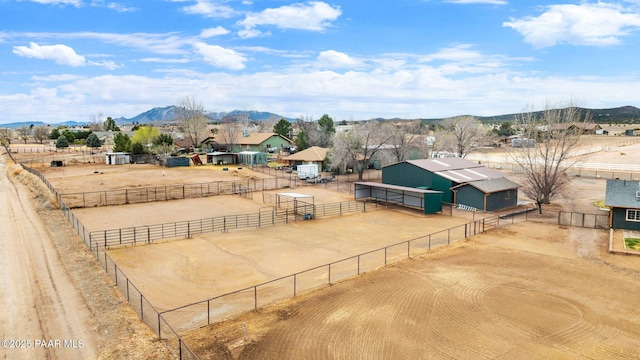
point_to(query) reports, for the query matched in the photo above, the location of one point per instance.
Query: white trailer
(307, 171)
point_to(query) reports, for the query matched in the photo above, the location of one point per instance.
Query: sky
(81, 60)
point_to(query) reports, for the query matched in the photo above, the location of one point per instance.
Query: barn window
(507, 195)
(633, 215)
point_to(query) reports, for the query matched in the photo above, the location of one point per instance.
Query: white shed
(117, 158)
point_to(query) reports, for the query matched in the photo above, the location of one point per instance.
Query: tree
(71, 137)
(356, 148)
(93, 141)
(5, 136)
(505, 129)
(41, 133)
(163, 145)
(466, 131)
(405, 138)
(192, 120)
(145, 135)
(228, 134)
(62, 142)
(122, 142)
(283, 127)
(302, 140)
(24, 132)
(110, 124)
(95, 122)
(138, 148)
(55, 133)
(326, 131)
(545, 163)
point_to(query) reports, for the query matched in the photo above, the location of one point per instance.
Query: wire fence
(141, 305)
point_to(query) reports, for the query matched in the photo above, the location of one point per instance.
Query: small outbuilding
(117, 158)
(623, 200)
(251, 158)
(221, 158)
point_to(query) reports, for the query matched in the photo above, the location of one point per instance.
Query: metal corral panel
(177, 161)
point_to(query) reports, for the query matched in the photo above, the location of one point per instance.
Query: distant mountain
(16, 125)
(624, 114)
(168, 114)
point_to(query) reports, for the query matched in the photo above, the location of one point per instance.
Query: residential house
(623, 200)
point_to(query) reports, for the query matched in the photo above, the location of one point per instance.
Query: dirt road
(42, 315)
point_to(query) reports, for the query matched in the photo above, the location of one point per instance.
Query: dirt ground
(506, 294)
(55, 301)
(529, 290)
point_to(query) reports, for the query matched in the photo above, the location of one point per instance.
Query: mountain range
(161, 115)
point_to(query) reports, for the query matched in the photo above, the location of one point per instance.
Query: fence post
(329, 283)
(358, 264)
(429, 241)
(448, 236)
(295, 280)
(141, 309)
(208, 312)
(159, 336)
(255, 297)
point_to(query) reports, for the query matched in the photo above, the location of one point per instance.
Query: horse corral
(529, 290)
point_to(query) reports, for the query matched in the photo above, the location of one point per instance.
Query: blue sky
(352, 59)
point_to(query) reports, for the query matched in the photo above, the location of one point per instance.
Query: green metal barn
(460, 181)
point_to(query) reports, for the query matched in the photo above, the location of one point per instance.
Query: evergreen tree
(93, 141)
(62, 142)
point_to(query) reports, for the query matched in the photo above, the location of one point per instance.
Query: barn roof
(457, 169)
(491, 185)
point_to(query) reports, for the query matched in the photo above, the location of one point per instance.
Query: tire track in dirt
(39, 302)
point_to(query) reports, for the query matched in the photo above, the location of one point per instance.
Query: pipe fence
(221, 307)
(173, 192)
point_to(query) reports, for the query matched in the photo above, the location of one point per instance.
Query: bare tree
(41, 133)
(24, 132)
(228, 134)
(545, 162)
(191, 120)
(467, 131)
(356, 148)
(96, 122)
(405, 138)
(5, 136)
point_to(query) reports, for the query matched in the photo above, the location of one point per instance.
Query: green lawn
(632, 243)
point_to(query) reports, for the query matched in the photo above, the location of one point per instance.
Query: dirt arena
(526, 291)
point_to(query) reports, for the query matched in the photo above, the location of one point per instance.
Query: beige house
(312, 155)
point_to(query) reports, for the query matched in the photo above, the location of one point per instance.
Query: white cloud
(313, 16)
(335, 59)
(211, 9)
(164, 43)
(61, 54)
(220, 57)
(211, 32)
(76, 3)
(597, 24)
